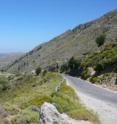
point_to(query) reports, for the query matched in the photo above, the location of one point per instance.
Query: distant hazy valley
(7, 58)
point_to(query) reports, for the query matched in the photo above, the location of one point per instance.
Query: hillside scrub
(27, 92)
(38, 71)
(4, 85)
(108, 79)
(72, 67)
(101, 62)
(100, 40)
(85, 74)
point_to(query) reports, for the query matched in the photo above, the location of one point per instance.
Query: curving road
(103, 102)
(92, 90)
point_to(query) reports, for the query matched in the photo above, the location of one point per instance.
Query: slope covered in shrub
(26, 93)
(101, 60)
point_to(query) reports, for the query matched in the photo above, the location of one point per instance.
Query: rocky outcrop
(91, 71)
(50, 115)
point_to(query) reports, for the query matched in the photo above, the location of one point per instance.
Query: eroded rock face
(50, 115)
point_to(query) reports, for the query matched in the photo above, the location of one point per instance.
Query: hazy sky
(26, 23)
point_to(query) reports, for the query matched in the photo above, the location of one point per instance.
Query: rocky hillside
(76, 42)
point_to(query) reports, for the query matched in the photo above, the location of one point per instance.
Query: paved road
(92, 90)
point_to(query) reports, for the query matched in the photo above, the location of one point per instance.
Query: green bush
(44, 72)
(94, 80)
(72, 66)
(109, 46)
(100, 40)
(85, 74)
(64, 68)
(3, 84)
(38, 71)
(99, 67)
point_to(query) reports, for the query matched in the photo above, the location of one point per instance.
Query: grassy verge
(67, 101)
(22, 93)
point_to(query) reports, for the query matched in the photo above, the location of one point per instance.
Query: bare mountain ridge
(76, 42)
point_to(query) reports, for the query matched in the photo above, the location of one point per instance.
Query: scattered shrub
(85, 74)
(20, 120)
(71, 67)
(64, 68)
(38, 71)
(3, 85)
(73, 64)
(109, 46)
(102, 60)
(100, 40)
(99, 67)
(44, 72)
(94, 80)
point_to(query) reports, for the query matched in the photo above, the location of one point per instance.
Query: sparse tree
(38, 71)
(100, 40)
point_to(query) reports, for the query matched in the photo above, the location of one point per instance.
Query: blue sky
(27, 23)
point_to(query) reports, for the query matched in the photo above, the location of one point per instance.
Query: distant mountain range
(76, 42)
(7, 58)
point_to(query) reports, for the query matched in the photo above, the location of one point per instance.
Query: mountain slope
(76, 42)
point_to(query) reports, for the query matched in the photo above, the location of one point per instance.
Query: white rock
(91, 71)
(50, 115)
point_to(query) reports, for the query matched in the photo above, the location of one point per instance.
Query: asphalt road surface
(92, 90)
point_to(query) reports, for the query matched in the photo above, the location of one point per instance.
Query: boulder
(91, 71)
(50, 115)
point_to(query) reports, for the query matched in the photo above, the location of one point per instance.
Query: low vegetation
(67, 101)
(24, 93)
(100, 40)
(102, 62)
(71, 67)
(38, 71)
(109, 79)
